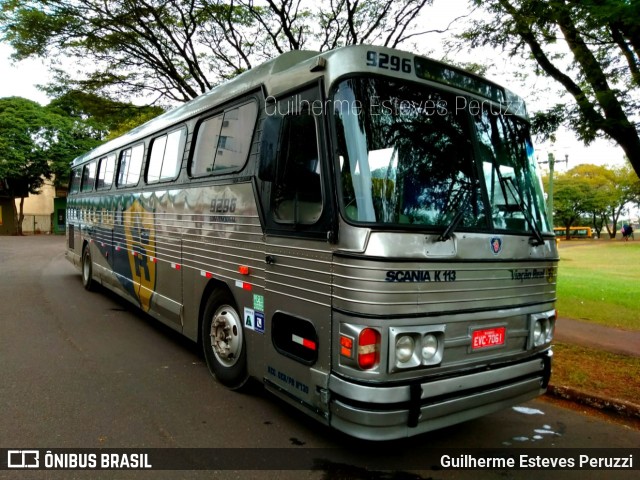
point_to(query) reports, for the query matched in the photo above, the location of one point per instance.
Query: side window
(224, 141)
(297, 190)
(130, 166)
(88, 177)
(76, 179)
(166, 156)
(106, 167)
(206, 146)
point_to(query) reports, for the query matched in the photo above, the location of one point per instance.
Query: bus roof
(299, 67)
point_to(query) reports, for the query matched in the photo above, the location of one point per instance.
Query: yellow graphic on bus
(141, 250)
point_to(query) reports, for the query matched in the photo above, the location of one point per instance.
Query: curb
(619, 407)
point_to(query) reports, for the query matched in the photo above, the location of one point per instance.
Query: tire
(223, 341)
(87, 269)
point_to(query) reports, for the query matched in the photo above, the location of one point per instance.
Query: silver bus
(361, 230)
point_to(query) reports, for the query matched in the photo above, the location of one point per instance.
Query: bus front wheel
(87, 269)
(223, 341)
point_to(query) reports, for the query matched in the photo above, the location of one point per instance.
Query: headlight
(542, 328)
(429, 347)
(415, 346)
(548, 335)
(404, 348)
(538, 338)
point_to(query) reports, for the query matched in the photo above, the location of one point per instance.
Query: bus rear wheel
(223, 341)
(87, 269)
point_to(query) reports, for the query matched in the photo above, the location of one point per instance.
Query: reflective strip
(244, 285)
(176, 266)
(304, 342)
(366, 349)
(206, 274)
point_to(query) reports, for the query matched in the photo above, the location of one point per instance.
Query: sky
(20, 79)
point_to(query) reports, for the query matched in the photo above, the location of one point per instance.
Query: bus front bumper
(385, 413)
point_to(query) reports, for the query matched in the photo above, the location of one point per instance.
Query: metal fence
(35, 224)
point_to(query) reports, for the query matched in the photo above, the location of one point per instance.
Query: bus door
(293, 183)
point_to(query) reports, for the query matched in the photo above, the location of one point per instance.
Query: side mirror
(271, 127)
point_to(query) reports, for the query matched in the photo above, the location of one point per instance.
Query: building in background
(43, 213)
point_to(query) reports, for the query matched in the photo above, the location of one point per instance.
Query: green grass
(606, 374)
(599, 280)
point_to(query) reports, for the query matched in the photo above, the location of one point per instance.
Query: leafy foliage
(590, 47)
(602, 193)
(178, 49)
(36, 143)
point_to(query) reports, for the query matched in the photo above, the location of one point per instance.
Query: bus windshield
(410, 154)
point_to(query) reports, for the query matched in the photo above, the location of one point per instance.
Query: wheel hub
(226, 340)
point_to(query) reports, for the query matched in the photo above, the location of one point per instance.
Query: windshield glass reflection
(412, 155)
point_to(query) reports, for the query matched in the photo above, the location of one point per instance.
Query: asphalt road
(86, 370)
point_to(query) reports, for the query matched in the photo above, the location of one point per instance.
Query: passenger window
(224, 141)
(166, 156)
(297, 191)
(106, 168)
(76, 179)
(88, 177)
(130, 166)
(206, 144)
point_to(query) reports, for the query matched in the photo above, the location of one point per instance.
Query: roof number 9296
(388, 62)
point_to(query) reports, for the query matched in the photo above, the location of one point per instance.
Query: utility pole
(552, 161)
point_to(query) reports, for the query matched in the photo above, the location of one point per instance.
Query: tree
(101, 114)
(591, 48)
(601, 193)
(570, 200)
(178, 49)
(35, 142)
(598, 192)
(624, 187)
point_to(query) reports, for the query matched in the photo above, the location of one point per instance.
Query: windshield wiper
(537, 239)
(464, 196)
(446, 235)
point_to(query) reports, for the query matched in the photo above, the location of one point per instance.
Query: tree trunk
(18, 215)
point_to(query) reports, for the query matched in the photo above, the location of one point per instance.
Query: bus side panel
(121, 252)
(222, 233)
(298, 312)
(74, 244)
(159, 268)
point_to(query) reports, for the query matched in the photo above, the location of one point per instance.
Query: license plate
(489, 337)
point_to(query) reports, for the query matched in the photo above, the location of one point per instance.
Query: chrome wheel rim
(86, 269)
(226, 335)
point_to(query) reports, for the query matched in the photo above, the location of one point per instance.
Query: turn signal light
(346, 346)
